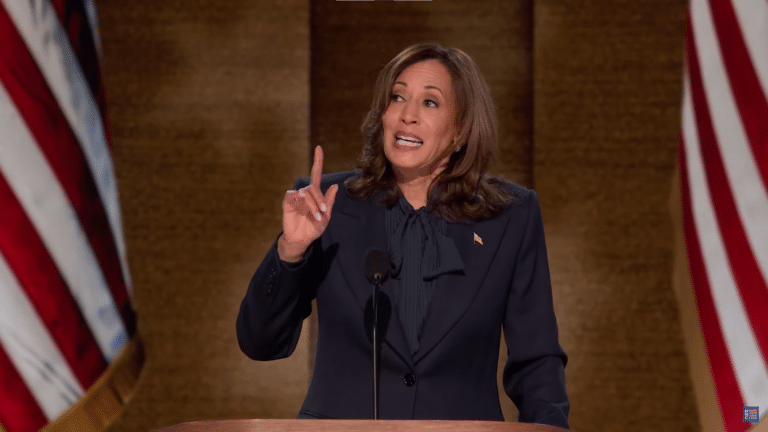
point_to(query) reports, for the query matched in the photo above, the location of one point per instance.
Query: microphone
(376, 270)
(376, 266)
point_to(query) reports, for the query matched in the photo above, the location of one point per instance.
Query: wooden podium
(356, 426)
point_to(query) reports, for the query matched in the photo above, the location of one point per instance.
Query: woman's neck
(415, 190)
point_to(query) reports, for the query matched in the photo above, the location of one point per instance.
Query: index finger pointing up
(317, 168)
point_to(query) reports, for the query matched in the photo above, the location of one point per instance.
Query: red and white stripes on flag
(724, 183)
(64, 282)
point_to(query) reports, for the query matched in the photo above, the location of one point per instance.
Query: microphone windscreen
(376, 262)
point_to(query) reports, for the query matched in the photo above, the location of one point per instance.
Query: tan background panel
(607, 92)
(353, 41)
(209, 105)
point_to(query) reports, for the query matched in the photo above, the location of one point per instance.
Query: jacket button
(410, 379)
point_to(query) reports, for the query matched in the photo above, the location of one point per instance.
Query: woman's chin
(410, 172)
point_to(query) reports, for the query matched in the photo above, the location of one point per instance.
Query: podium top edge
(307, 425)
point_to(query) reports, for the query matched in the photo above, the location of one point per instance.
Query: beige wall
(607, 89)
(212, 120)
(209, 105)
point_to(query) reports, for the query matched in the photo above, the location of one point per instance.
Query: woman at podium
(465, 256)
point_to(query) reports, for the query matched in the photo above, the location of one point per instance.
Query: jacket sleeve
(278, 299)
(534, 376)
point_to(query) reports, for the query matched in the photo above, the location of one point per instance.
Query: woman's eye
(396, 97)
(430, 103)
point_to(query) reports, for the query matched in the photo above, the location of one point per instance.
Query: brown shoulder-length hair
(463, 191)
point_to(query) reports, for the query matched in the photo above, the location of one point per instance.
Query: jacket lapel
(455, 292)
(359, 227)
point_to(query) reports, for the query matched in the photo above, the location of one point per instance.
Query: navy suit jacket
(505, 283)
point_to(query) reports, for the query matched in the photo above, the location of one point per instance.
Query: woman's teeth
(408, 142)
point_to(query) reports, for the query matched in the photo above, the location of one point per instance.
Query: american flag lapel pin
(478, 239)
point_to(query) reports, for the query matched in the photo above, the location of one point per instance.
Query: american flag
(477, 239)
(724, 182)
(64, 282)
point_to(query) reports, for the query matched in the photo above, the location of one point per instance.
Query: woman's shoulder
(327, 180)
(519, 194)
(522, 204)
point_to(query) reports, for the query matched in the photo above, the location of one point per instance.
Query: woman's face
(419, 123)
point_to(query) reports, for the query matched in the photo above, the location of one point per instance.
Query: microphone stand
(375, 304)
(376, 268)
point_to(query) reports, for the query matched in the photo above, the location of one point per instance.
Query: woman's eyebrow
(433, 87)
(426, 87)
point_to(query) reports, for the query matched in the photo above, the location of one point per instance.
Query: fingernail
(323, 207)
(318, 217)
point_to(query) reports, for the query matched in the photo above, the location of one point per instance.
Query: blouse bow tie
(420, 229)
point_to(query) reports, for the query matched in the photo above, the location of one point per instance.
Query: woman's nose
(409, 113)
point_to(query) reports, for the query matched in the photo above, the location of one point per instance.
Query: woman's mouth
(408, 140)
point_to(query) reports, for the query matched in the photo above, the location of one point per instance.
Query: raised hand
(306, 213)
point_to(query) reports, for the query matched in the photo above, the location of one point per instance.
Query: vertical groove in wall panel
(607, 97)
(352, 41)
(210, 119)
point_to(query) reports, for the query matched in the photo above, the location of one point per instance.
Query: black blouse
(420, 251)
